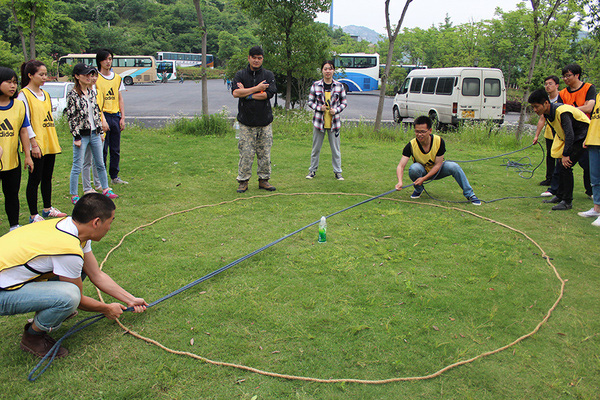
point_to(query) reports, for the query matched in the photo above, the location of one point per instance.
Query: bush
(205, 125)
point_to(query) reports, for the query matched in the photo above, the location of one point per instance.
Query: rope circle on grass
(344, 380)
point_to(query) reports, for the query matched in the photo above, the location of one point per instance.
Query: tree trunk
(32, 33)
(203, 73)
(20, 30)
(527, 89)
(288, 90)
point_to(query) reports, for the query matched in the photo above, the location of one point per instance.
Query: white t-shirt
(112, 75)
(22, 97)
(69, 266)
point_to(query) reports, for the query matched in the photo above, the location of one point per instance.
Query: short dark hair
(7, 74)
(555, 78)
(91, 206)
(538, 96)
(330, 62)
(102, 55)
(29, 67)
(256, 51)
(423, 119)
(575, 69)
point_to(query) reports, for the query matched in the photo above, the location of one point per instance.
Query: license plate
(468, 114)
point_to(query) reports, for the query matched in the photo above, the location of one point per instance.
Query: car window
(491, 87)
(471, 87)
(55, 91)
(445, 86)
(429, 85)
(415, 86)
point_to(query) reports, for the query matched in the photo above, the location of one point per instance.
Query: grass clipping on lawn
(397, 290)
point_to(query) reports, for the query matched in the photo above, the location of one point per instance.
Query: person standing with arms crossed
(109, 85)
(254, 87)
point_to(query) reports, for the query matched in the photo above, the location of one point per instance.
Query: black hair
(423, 119)
(7, 74)
(29, 67)
(575, 69)
(330, 62)
(256, 51)
(91, 206)
(102, 55)
(555, 78)
(538, 96)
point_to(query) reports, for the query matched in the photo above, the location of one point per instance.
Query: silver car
(58, 95)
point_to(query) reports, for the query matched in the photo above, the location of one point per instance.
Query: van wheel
(396, 114)
(128, 80)
(436, 124)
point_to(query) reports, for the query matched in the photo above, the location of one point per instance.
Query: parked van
(450, 96)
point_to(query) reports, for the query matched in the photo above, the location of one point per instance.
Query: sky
(420, 13)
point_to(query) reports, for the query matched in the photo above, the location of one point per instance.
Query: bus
(166, 71)
(186, 59)
(358, 71)
(132, 69)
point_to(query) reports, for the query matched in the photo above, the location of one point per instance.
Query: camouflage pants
(255, 140)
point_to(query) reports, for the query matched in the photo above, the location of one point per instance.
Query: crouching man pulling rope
(41, 269)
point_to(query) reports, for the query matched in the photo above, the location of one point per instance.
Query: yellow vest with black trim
(593, 136)
(11, 121)
(40, 118)
(108, 93)
(427, 160)
(43, 238)
(558, 144)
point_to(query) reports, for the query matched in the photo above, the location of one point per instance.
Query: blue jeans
(52, 302)
(417, 170)
(594, 154)
(95, 143)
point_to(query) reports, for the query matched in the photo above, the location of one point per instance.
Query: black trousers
(11, 183)
(43, 168)
(565, 175)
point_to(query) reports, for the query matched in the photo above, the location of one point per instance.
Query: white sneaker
(589, 213)
(12, 228)
(546, 194)
(596, 222)
(119, 181)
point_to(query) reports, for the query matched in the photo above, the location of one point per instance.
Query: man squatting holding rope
(59, 250)
(427, 151)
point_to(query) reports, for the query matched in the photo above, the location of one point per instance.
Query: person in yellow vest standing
(38, 107)
(581, 95)
(13, 126)
(427, 151)
(328, 99)
(110, 100)
(41, 268)
(570, 127)
(592, 142)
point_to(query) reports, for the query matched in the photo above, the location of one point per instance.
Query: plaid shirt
(316, 99)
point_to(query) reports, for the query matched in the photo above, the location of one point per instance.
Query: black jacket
(255, 112)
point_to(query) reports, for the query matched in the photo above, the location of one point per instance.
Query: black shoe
(545, 182)
(553, 200)
(563, 205)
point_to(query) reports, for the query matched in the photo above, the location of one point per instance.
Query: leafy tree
(30, 16)
(229, 44)
(7, 57)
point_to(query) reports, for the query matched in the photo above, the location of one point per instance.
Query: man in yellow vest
(427, 151)
(41, 269)
(570, 126)
(109, 85)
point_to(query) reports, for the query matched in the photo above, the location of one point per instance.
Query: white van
(450, 96)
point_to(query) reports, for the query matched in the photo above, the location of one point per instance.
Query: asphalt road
(154, 104)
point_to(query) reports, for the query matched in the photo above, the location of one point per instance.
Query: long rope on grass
(350, 380)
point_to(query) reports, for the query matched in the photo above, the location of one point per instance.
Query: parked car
(450, 96)
(58, 95)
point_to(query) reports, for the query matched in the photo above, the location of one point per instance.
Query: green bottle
(323, 230)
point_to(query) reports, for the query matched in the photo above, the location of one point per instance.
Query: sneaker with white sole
(119, 181)
(338, 176)
(35, 218)
(474, 200)
(311, 174)
(12, 228)
(53, 213)
(547, 193)
(74, 199)
(589, 213)
(596, 222)
(416, 194)
(109, 193)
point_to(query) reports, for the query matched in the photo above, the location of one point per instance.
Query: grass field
(401, 288)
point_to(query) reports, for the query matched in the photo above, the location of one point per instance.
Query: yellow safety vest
(593, 136)
(427, 160)
(108, 93)
(43, 238)
(11, 121)
(40, 118)
(558, 144)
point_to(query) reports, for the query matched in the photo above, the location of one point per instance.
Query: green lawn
(401, 288)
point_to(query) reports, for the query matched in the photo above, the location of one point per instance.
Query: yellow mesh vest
(40, 113)
(593, 136)
(108, 93)
(40, 239)
(11, 121)
(427, 160)
(558, 144)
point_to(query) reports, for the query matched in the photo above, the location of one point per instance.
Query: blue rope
(49, 357)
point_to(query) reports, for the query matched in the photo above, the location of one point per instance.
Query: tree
(204, 78)
(392, 35)
(29, 17)
(280, 23)
(229, 44)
